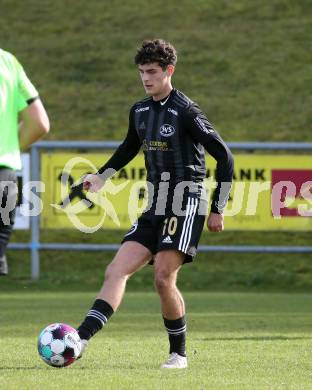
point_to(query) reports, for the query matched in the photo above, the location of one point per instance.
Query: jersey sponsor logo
(201, 124)
(174, 112)
(142, 109)
(167, 130)
(155, 145)
(167, 240)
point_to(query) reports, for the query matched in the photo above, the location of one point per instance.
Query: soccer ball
(59, 345)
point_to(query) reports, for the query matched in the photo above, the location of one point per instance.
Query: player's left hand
(215, 222)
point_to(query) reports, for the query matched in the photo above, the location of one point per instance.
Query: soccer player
(173, 133)
(23, 120)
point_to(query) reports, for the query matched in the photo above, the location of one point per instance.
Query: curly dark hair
(156, 50)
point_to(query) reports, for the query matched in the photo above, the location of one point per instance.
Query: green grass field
(246, 63)
(235, 341)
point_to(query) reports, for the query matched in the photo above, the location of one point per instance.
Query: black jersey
(174, 134)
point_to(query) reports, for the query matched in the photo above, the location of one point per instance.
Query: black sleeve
(126, 151)
(203, 132)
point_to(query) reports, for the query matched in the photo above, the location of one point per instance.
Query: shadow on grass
(22, 368)
(256, 338)
(46, 368)
(79, 367)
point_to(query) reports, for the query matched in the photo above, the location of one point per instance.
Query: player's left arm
(203, 132)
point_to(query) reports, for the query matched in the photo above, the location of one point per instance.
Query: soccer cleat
(175, 361)
(84, 344)
(3, 266)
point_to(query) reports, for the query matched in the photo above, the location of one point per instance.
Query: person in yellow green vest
(23, 120)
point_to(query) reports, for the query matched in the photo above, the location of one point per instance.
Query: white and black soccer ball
(59, 345)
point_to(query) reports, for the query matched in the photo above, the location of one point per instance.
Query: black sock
(177, 333)
(96, 318)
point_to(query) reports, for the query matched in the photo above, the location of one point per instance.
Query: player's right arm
(33, 119)
(122, 156)
(34, 123)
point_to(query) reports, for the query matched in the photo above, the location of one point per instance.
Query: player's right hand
(93, 183)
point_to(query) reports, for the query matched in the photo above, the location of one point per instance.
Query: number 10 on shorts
(170, 226)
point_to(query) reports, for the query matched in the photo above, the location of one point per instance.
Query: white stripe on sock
(92, 315)
(177, 333)
(175, 330)
(99, 316)
(98, 313)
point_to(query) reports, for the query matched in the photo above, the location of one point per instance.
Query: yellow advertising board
(270, 192)
(115, 214)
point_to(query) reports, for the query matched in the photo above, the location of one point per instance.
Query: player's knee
(163, 282)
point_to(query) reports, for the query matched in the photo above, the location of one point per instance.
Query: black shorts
(8, 195)
(171, 230)
(8, 190)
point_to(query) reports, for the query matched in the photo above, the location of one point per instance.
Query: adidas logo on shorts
(167, 240)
